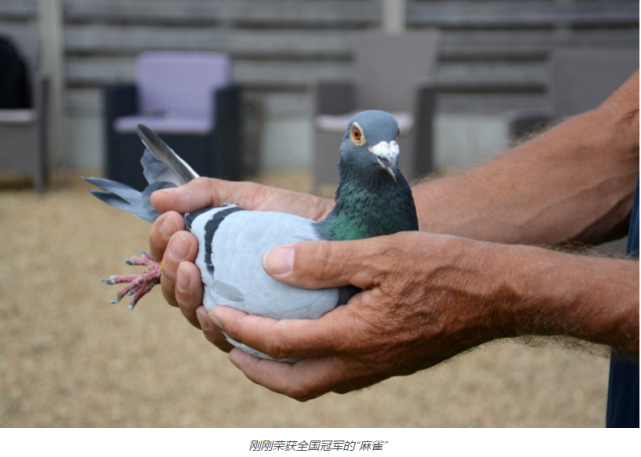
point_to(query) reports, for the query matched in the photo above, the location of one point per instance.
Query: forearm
(551, 293)
(573, 183)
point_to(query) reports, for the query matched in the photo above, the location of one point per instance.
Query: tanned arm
(573, 183)
(428, 297)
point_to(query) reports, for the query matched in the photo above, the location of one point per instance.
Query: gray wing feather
(156, 171)
(228, 291)
(163, 163)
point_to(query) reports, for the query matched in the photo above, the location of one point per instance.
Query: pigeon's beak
(387, 155)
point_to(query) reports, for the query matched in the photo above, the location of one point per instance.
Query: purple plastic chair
(188, 99)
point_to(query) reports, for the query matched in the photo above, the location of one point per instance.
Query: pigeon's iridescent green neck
(368, 205)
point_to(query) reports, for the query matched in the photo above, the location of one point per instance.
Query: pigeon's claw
(138, 285)
(144, 259)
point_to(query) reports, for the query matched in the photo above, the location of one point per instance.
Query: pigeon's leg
(138, 284)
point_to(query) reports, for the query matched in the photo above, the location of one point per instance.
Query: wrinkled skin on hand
(425, 297)
(396, 326)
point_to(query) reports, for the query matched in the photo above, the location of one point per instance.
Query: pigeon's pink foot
(139, 284)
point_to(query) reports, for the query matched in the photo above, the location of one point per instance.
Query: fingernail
(214, 318)
(201, 314)
(279, 261)
(168, 226)
(182, 279)
(179, 249)
(167, 191)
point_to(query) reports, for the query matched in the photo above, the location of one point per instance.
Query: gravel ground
(68, 359)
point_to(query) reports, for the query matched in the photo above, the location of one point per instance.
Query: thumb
(196, 194)
(322, 264)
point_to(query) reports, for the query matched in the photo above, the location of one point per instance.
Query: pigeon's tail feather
(126, 198)
(162, 167)
(160, 162)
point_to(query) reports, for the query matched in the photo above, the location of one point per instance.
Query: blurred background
(262, 90)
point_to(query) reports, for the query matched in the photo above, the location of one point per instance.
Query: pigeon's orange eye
(356, 135)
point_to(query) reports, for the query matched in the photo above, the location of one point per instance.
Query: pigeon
(373, 199)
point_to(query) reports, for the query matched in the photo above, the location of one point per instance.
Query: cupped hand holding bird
(177, 248)
(415, 310)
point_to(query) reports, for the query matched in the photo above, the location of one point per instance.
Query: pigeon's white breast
(239, 280)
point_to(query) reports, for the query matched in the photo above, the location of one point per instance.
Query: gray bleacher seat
(579, 80)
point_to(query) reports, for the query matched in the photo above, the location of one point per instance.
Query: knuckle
(323, 255)
(333, 335)
(298, 392)
(155, 235)
(212, 187)
(278, 348)
(157, 243)
(186, 304)
(346, 344)
(194, 322)
(237, 329)
(201, 183)
(169, 268)
(169, 296)
(209, 336)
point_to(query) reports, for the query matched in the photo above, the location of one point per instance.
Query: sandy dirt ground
(69, 359)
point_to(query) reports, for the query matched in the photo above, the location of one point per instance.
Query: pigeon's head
(369, 143)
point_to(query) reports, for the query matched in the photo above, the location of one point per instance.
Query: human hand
(424, 299)
(168, 240)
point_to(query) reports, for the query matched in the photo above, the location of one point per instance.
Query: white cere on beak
(384, 150)
(387, 151)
